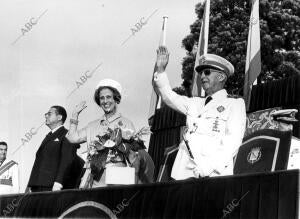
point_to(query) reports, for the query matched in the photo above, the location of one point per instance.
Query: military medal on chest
(215, 127)
(220, 109)
(216, 123)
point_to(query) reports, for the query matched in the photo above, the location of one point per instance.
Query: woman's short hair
(116, 94)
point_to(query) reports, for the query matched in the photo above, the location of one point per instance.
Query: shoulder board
(235, 96)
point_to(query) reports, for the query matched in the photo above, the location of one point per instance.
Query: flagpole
(164, 32)
(206, 20)
(253, 57)
(155, 100)
(201, 49)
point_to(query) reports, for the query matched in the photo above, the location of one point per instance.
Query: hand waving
(162, 59)
(78, 108)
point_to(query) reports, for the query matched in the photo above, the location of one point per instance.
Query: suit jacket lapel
(57, 134)
(62, 130)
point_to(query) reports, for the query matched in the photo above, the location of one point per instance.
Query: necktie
(209, 98)
(49, 134)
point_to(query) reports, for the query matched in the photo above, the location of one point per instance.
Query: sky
(48, 46)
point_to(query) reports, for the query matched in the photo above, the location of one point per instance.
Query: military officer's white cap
(215, 62)
(286, 115)
(110, 83)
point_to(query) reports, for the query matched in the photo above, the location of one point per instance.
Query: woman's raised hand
(78, 108)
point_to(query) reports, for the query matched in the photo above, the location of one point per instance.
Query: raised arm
(74, 135)
(172, 99)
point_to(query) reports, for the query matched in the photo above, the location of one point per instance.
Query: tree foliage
(228, 32)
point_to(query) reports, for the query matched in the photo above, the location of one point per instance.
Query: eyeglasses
(207, 72)
(49, 113)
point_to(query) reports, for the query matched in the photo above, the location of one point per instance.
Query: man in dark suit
(53, 168)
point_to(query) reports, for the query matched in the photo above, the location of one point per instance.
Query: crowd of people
(215, 129)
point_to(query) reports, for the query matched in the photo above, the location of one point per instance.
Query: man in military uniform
(9, 174)
(215, 124)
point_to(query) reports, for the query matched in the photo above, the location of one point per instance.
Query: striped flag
(201, 49)
(155, 98)
(253, 60)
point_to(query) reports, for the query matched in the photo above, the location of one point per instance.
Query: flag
(155, 98)
(253, 60)
(201, 49)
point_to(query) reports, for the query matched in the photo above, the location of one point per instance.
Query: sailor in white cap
(215, 124)
(286, 118)
(107, 95)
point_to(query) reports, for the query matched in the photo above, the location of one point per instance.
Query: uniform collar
(5, 161)
(217, 98)
(221, 94)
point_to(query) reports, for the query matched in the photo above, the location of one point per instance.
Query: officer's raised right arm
(161, 83)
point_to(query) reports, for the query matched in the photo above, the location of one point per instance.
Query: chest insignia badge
(120, 123)
(203, 60)
(220, 109)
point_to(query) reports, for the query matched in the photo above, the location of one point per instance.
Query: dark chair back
(263, 151)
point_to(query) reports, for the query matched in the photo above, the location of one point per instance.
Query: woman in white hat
(107, 95)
